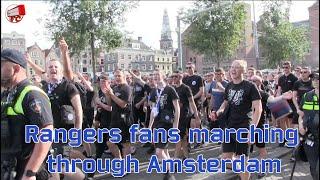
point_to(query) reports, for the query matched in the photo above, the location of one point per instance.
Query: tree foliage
(216, 33)
(279, 39)
(81, 22)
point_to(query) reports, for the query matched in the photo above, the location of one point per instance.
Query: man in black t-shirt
(242, 96)
(195, 83)
(165, 113)
(103, 115)
(285, 84)
(138, 100)
(300, 87)
(185, 101)
(120, 115)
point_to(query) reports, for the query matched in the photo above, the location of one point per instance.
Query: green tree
(83, 23)
(279, 39)
(216, 33)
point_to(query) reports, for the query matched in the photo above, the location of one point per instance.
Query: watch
(30, 173)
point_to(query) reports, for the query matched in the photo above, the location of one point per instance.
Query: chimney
(139, 38)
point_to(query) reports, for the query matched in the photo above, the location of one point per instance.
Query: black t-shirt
(195, 82)
(103, 115)
(89, 95)
(168, 94)
(286, 82)
(241, 105)
(138, 91)
(184, 93)
(302, 87)
(123, 92)
(60, 94)
(264, 101)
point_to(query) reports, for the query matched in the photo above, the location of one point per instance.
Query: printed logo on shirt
(194, 83)
(163, 100)
(237, 98)
(138, 89)
(117, 94)
(35, 106)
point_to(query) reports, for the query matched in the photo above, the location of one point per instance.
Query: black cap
(314, 76)
(14, 56)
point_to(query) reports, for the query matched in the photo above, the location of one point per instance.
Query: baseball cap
(314, 76)
(14, 56)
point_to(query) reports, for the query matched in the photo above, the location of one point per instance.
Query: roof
(128, 44)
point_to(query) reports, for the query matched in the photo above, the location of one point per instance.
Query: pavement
(213, 151)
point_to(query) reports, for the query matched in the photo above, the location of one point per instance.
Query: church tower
(166, 40)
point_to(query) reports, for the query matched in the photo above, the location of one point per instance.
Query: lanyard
(52, 86)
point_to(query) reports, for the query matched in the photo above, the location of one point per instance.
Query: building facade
(314, 30)
(13, 40)
(133, 54)
(37, 56)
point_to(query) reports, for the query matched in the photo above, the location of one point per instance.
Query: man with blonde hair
(241, 97)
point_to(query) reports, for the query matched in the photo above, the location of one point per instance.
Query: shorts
(262, 144)
(138, 115)
(119, 123)
(235, 147)
(166, 126)
(184, 125)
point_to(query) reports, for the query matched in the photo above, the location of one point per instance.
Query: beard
(6, 82)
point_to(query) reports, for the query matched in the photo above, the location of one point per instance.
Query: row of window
(14, 42)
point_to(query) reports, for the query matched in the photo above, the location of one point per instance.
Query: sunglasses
(188, 67)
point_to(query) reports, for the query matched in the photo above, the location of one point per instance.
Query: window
(162, 67)
(101, 62)
(8, 42)
(122, 56)
(129, 56)
(136, 57)
(168, 67)
(168, 59)
(33, 54)
(21, 43)
(158, 59)
(162, 59)
(122, 66)
(113, 66)
(143, 58)
(136, 45)
(31, 71)
(130, 65)
(78, 61)
(109, 67)
(143, 67)
(84, 69)
(84, 61)
(150, 67)
(14, 42)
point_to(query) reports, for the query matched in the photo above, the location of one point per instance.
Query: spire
(166, 40)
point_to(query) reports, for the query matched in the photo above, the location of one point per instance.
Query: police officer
(25, 104)
(309, 125)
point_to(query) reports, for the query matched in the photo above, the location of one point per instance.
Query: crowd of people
(57, 97)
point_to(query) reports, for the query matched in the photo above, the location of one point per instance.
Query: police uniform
(310, 107)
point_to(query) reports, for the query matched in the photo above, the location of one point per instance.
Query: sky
(144, 21)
